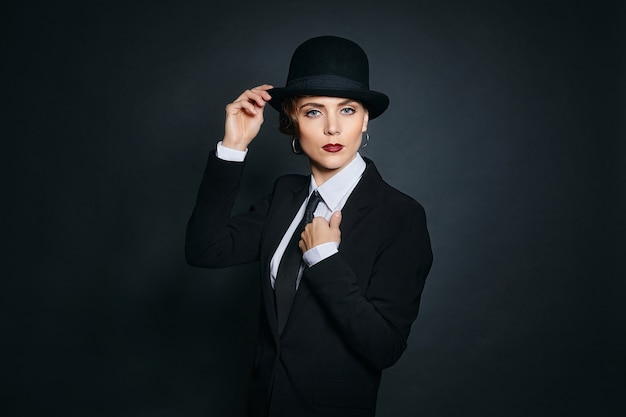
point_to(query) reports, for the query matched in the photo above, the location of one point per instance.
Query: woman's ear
(365, 120)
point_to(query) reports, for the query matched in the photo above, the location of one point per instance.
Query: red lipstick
(332, 147)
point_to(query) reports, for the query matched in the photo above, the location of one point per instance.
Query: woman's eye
(312, 113)
(347, 110)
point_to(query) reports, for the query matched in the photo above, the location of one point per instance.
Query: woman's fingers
(250, 99)
(257, 95)
(246, 106)
(320, 231)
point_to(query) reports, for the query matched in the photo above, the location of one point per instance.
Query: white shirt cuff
(230, 154)
(320, 252)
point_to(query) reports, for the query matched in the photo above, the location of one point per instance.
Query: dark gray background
(506, 122)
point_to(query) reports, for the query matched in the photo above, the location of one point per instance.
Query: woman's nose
(332, 125)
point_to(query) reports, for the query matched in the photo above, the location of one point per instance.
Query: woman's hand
(320, 231)
(244, 117)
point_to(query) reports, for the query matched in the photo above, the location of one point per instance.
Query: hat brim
(375, 102)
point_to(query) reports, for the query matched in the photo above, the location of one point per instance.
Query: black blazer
(353, 311)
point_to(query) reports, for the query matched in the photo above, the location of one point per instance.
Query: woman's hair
(287, 120)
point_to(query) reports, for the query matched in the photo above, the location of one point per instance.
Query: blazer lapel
(278, 222)
(363, 197)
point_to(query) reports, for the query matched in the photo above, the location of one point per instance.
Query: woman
(340, 291)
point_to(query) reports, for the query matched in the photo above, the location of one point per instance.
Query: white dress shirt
(334, 192)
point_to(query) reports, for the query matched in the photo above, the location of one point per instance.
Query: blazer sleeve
(376, 323)
(213, 238)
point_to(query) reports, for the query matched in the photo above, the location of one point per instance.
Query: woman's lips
(332, 147)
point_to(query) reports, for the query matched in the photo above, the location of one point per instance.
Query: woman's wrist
(234, 144)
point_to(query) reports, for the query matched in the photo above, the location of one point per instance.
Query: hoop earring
(293, 146)
(367, 140)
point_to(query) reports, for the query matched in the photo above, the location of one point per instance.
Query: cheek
(307, 133)
(306, 141)
(357, 136)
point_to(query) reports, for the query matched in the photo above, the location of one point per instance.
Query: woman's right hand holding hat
(244, 117)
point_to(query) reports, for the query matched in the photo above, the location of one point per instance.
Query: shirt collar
(336, 187)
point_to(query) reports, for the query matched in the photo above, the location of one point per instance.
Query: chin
(333, 165)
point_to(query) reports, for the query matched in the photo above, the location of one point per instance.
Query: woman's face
(330, 131)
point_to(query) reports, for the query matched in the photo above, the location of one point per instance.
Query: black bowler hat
(330, 66)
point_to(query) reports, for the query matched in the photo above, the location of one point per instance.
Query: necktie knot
(311, 206)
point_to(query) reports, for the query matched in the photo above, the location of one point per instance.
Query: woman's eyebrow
(347, 101)
(312, 105)
(341, 103)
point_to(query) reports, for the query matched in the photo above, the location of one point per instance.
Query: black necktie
(287, 275)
